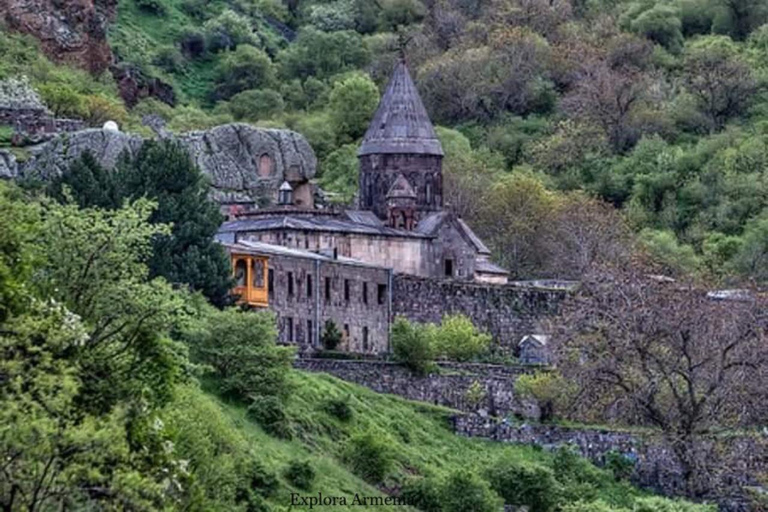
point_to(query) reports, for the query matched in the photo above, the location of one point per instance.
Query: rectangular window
(346, 331)
(310, 333)
(271, 281)
(448, 267)
(290, 284)
(289, 328)
(381, 296)
(365, 293)
(309, 286)
(346, 290)
(365, 339)
(328, 288)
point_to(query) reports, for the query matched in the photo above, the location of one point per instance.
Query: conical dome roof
(401, 123)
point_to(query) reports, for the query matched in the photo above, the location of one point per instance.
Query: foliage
(240, 347)
(523, 484)
(227, 31)
(323, 54)
(422, 493)
(301, 474)
(412, 345)
(242, 69)
(269, 412)
(369, 455)
(550, 390)
(619, 464)
(352, 103)
(256, 104)
(339, 408)
(340, 174)
(475, 394)
(463, 490)
(331, 336)
(459, 340)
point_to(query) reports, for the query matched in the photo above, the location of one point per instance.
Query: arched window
(429, 191)
(266, 166)
(258, 273)
(240, 272)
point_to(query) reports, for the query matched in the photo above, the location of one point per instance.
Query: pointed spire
(401, 123)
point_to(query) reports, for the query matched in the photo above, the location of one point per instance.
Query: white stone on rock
(111, 126)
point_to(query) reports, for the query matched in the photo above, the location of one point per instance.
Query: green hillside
(417, 435)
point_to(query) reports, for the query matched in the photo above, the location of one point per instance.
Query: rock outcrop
(245, 164)
(71, 31)
(8, 167)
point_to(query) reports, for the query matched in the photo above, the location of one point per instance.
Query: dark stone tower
(401, 141)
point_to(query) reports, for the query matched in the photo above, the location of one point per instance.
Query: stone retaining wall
(736, 462)
(507, 312)
(448, 388)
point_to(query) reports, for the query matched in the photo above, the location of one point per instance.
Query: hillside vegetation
(654, 107)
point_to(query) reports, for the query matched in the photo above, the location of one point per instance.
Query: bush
(269, 412)
(339, 408)
(619, 464)
(102, 109)
(240, 347)
(352, 104)
(423, 494)
(550, 390)
(369, 456)
(331, 336)
(260, 479)
(64, 101)
(254, 105)
(524, 484)
(301, 474)
(459, 340)
(192, 42)
(227, 31)
(245, 68)
(463, 491)
(412, 345)
(169, 59)
(153, 6)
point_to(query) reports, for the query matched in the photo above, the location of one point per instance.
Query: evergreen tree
(89, 184)
(164, 172)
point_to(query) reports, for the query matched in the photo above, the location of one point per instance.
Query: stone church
(312, 266)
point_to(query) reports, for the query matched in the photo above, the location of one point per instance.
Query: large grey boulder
(8, 166)
(243, 163)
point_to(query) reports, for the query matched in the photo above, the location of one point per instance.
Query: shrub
(331, 336)
(260, 479)
(475, 394)
(412, 345)
(619, 464)
(459, 340)
(102, 109)
(227, 31)
(550, 390)
(168, 58)
(339, 408)
(269, 412)
(240, 347)
(63, 100)
(245, 68)
(254, 105)
(352, 104)
(463, 491)
(524, 484)
(369, 456)
(153, 6)
(423, 494)
(192, 42)
(301, 474)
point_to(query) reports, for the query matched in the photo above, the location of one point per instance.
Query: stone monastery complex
(399, 253)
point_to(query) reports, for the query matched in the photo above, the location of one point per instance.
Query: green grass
(419, 435)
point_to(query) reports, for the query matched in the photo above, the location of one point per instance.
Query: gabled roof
(401, 123)
(401, 189)
(432, 222)
(261, 248)
(321, 224)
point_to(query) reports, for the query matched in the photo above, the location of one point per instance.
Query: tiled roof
(401, 123)
(324, 223)
(261, 248)
(486, 267)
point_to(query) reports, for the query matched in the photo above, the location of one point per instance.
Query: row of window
(292, 332)
(381, 289)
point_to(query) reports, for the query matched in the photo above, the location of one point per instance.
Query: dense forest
(548, 111)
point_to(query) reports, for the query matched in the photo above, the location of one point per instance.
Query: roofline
(241, 248)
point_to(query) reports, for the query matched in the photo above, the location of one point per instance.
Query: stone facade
(507, 312)
(450, 387)
(742, 461)
(379, 172)
(305, 290)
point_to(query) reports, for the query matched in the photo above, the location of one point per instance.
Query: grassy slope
(419, 434)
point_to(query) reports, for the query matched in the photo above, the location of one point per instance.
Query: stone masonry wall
(448, 388)
(739, 462)
(507, 312)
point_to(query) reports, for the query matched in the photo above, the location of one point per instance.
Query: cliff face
(71, 31)
(243, 163)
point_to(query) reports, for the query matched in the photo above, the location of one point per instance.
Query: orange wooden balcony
(250, 273)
